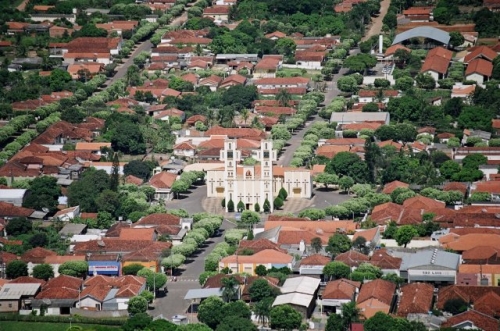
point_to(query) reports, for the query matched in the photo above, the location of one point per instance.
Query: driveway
(173, 303)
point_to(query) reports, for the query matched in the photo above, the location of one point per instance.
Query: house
(166, 225)
(436, 62)
(248, 263)
(478, 274)
(418, 14)
(367, 96)
(300, 293)
(118, 26)
(343, 118)
(85, 70)
(275, 35)
(415, 298)
(36, 256)
(56, 260)
(233, 80)
(483, 135)
(479, 70)
(480, 52)
(372, 237)
(386, 262)
(162, 183)
(67, 214)
(282, 83)
(444, 137)
(217, 13)
(109, 293)
(267, 67)
(485, 297)
(185, 149)
(352, 258)
(463, 91)
(376, 296)
(212, 82)
(58, 296)
(391, 51)
(310, 60)
(313, 264)
(149, 257)
(165, 115)
(339, 292)
(390, 187)
(17, 296)
(472, 319)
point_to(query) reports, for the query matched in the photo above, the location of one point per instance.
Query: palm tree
(229, 288)
(283, 97)
(244, 115)
(350, 314)
(262, 309)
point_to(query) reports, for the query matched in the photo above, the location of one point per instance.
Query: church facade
(253, 184)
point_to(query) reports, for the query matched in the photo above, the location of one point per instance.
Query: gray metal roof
(72, 228)
(16, 291)
(12, 193)
(435, 257)
(202, 293)
(423, 31)
(268, 234)
(357, 117)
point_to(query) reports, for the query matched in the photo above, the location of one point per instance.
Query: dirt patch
(376, 26)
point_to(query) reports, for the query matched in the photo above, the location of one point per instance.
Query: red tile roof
(421, 202)
(110, 245)
(384, 260)
(196, 118)
(263, 257)
(379, 289)
(259, 245)
(352, 258)
(163, 180)
(368, 234)
(37, 255)
(131, 179)
(390, 187)
(488, 304)
(27, 280)
(481, 52)
(137, 234)
(373, 93)
(479, 66)
(152, 252)
(479, 320)
(236, 132)
(341, 289)
(416, 298)
(435, 63)
(467, 293)
(315, 260)
(386, 212)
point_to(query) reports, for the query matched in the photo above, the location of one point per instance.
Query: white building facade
(253, 184)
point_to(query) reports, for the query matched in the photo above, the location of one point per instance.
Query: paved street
(121, 70)
(192, 201)
(173, 303)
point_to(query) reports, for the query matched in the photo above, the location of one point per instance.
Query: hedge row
(61, 319)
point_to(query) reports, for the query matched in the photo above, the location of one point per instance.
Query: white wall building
(256, 183)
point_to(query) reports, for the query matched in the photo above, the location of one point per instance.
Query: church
(253, 184)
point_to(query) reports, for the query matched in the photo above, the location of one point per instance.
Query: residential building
(337, 293)
(162, 183)
(58, 296)
(313, 264)
(472, 319)
(268, 66)
(367, 96)
(479, 70)
(150, 257)
(376, 296)
(415, 298)
(352, 258)
(14, 297)
(15, 197)
(351, 117)
(418, 14)
(300, 293)
(247, 263)
(217, 13)
(479, 275)
(437, 62)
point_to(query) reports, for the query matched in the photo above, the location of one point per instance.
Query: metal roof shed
(301, 285)
(423, 31)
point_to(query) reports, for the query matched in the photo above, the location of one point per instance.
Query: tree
(285, 46)
(250, 217)
(262, 309)
(211, 311)
(173, 261)
(230, 206)
(138, 169)
(278, 203)
(371, 107)
(326, 179)
(267, 206)
(283, 194)
(336, 270)
(148, 296)
(16, 268)
(404, 83)
(316, 244)
(334, 323)
(74, 268)
(132, 269)
(260, 270)
(378, 322)
(114, 179)
(350, 313)
(257, 207)
(473, 161)
(338, 243)
(455, 306)
(283, 97)
(347, 84)
(128, 138)
(44, 194)
(405, 234)
(313, 214)
(154, 280)
(346, 183)
(137, 305)
(348, 164)
(229, 288)
(179, 186)
(284, 317)
(360, 62)
(238, 308)
(425, 81)
(139, 321)
(193, 327)
(338, 211)
(456, 39)
(261, 289)
(360, 244)
(43, 271)
(233, 323)
(161, 324)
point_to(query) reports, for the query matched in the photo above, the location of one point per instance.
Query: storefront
(108, 268)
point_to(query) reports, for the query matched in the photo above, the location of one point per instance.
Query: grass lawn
(23, 326)
(289, 72)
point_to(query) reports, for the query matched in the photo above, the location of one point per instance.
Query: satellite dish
(45, 210)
